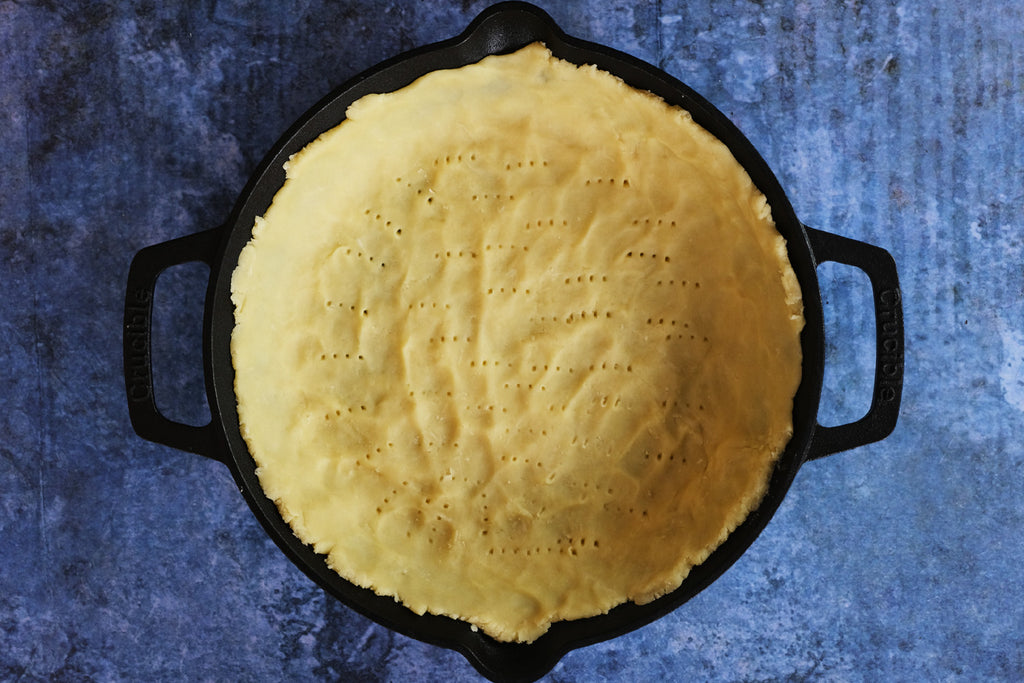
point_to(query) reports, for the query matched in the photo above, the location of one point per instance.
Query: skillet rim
(499, 29)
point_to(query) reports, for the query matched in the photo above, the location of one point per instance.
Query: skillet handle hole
(179, 387)
(849, 344)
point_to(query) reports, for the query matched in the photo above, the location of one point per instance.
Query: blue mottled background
(126, 124)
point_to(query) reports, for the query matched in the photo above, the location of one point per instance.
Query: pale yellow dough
(516, 344)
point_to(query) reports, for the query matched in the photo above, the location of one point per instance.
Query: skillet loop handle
(147, 420)
(887, 391)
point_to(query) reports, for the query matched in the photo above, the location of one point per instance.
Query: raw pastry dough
(516, 344)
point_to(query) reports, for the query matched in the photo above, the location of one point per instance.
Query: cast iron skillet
(500, 29)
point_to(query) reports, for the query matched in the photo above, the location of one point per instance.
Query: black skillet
(500, 29)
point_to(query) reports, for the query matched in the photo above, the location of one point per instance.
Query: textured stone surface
(127, 124)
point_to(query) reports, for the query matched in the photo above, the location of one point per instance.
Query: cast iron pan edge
(500, 29)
